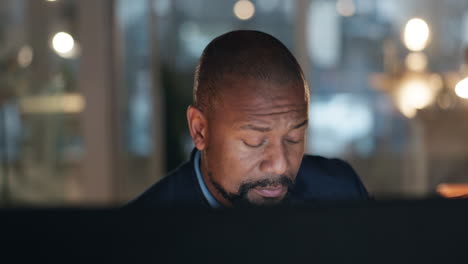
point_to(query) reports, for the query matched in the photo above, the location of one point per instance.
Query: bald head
(243, 55)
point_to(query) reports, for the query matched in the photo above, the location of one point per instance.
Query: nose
(275, 160)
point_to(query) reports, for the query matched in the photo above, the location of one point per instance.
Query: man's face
(255, 141)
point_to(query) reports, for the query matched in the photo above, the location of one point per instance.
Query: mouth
(272, 191)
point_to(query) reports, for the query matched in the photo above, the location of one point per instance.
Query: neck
(209, 184)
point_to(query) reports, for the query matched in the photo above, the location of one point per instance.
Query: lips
(271, 191)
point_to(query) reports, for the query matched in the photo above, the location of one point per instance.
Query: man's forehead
(257, 106)
(262, 109)
(270, 118)
(257, 94)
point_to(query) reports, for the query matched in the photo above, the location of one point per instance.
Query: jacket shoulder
(321, 178)
(177, 189)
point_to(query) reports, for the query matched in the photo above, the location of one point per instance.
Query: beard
(241, 199)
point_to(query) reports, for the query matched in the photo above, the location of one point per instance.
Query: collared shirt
(208, 196)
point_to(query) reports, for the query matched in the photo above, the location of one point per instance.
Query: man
(248, 122)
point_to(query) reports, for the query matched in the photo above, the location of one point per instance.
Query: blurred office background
(93, 93)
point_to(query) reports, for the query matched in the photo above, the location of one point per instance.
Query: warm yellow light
(416, 61)
(63, 43)
(454, 190)
(461, 89)
(407, 110)
(414, 93)
(244, 9)
(66, 103)
(416, 34)
(345, 8)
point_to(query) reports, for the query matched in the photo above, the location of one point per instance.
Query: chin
(266, 201)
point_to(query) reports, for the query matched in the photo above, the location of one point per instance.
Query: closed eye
(290, 141)
(254, 145)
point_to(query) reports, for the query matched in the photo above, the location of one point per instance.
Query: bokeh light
(416, 34)
(43, 104)
(63, 42)
(416, 61)
(345, 8)
(64, 45)
(416, 93)
(244, 9)
(461, 89)
(25, 56)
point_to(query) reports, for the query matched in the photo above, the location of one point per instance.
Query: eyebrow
(256, 128)
(303, 123)
(266, 129)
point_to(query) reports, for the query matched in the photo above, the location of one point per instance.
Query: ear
(198, 127)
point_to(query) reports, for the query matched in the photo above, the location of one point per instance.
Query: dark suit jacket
(318, 179)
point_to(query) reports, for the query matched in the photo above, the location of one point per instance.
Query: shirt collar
(208, 196)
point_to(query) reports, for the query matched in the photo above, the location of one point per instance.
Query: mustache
(268, 181)
(240, 198)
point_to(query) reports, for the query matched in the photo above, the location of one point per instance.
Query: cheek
(296, 152)
(295, 155)
(230, 163)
